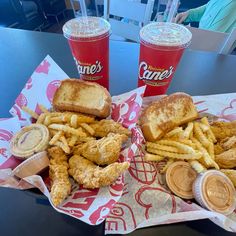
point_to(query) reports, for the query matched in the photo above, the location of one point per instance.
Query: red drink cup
(161, 48)
(88, 38)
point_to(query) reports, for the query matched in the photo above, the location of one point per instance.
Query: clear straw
(83, 8)
(83, 11)
(173, 10)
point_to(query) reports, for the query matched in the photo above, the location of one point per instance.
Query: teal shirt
(216, 15)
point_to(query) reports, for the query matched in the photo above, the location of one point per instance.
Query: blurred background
(50, 15)
(211, 22)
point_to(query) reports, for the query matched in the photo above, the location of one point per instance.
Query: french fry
(175, 132)
(166, 166)
(180, 156)
(74, 121)
(199, 135)
(52, 132)
(188, 142)
(30, 112)
(55, 114)
(183, 148)
(207, 160)
(66, 129)
(81, 118)
(43, 108)
(89, 129)
(56, 119)
(47, 121)
(188, 130)
(72, 141)
(152, 157)
(161, 147)
(63, 140)
(41, 118)
(204, 127)
(66, 117)
(65, 148)
(56, 137)
(204, 120)
(211, 151)
(85, 119)
(197, 166)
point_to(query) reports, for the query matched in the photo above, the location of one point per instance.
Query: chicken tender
(227, 159)
(218, 149)
(88, 174)
(58, 173)
(231, 174)
(229, 142)
(105, 150)
(223, 130)
(104, 127)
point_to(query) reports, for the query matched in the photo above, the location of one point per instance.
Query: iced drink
(89, 43)
(161, 48)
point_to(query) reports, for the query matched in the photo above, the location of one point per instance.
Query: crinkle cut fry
(180, 156)
(58, 173)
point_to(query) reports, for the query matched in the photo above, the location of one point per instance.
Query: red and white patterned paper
(146, 200)
(8, 127)
(139, 198)
(90, 206)
(39, 89)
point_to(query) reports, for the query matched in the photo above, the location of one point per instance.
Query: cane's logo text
(148, 73)
(89, 69)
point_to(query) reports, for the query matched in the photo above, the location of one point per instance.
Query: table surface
(199, 73)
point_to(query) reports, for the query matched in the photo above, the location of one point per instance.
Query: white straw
(83, 8)
(84, 12)
(173, 9)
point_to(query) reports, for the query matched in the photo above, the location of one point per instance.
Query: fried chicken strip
(223, 130)
(58, 173)
(92, 176)
(103, 127)
(105, 150)
(227, 159)
(229, 142)
(231, 174)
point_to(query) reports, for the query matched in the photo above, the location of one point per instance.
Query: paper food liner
(146, 200)
(89, 205)
(139, 198)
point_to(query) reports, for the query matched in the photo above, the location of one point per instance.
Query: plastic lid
(29, 140)
(32, 166)
(215, 191)
(85, 27)
(180, 177)
(166, 34)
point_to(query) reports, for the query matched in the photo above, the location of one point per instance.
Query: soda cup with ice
(88, 38)
(161, 48)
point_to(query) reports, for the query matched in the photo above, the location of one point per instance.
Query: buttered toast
(165, 114)
(82, 96)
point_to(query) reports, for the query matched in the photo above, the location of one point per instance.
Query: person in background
(216, 15)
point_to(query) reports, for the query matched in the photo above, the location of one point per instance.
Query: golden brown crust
(167, 113)
(72, 88)
(223, 129)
